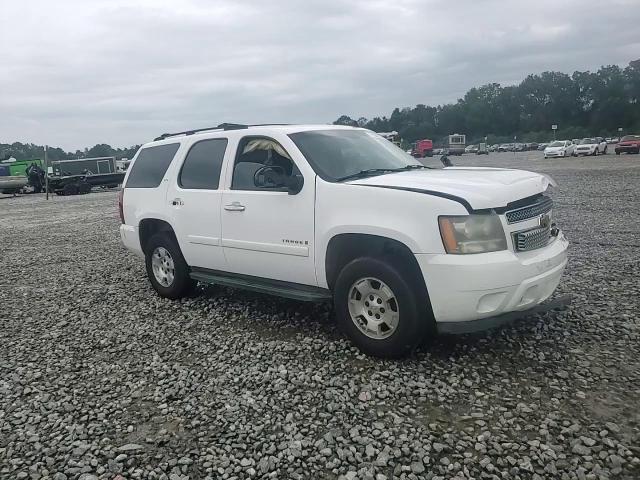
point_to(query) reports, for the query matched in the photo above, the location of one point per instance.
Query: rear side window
(151, 165)
(201, 168)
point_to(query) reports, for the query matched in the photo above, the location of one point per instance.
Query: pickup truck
(423, 148)
(335, 213)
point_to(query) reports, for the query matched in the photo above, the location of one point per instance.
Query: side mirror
(295, 184)
(445, 161)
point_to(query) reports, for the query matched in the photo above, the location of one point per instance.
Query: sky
(75, 73)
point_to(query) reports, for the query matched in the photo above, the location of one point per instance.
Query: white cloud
(76, 73)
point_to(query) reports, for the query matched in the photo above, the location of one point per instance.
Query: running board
(295, 291)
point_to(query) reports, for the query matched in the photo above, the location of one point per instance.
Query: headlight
(477, 233)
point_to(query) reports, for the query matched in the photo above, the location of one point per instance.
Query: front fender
(407, 217)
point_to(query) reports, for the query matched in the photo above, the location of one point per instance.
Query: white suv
(318, 212)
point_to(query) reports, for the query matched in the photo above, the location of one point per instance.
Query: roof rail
(222, 126)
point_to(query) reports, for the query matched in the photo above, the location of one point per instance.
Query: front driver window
(256, 153)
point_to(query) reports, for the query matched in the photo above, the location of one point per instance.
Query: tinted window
(201, 168)
(255, 153)
(151, 165)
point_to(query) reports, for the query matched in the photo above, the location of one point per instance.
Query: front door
(266, 230)
(195, 200)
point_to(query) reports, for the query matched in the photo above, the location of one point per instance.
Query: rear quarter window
(150, 166)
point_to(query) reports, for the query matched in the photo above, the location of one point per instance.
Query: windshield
(628, 138)
(557, 144)
(335, 154)
(588, 141)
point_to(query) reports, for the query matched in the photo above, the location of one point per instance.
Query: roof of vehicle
(261, 129)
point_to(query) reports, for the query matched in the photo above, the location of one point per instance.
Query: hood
(480, 187)
(587, 145)
(555, 149)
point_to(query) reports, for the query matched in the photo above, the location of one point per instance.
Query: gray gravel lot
(100, 377)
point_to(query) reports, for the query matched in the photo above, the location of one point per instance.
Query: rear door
(194, 201)
(268, 232)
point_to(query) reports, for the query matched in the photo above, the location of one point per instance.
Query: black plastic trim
(433, 193)
(460, 200)
(474, 326)
(222, 126)
(295, 291)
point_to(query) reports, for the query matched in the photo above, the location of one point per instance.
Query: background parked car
(591, 146)
(628, 144)
(520, 147)
(471, 149)
(560, 148)
(542, 146)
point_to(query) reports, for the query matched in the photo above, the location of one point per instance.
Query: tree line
(28, 151)
(581, 105)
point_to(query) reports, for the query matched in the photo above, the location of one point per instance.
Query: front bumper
(130, 239)
(473, 326)
(627, 149)
(591, 151)
(464, 288)
(556, 154)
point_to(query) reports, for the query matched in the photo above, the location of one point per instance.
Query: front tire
(166, 268)
(380, 307)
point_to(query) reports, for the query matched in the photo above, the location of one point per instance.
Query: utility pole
(46, 171)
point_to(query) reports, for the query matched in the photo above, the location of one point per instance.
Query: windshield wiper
(369, 172)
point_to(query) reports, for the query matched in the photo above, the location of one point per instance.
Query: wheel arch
(345, 247)
(148, 227)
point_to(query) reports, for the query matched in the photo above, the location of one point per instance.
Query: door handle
(234, 207)
(177, 201)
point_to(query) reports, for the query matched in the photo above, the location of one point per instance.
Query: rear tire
(380, 308)
(84, 188)
(70, 189)
(166, 268)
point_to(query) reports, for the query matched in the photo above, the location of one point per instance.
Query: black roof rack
(222, 126)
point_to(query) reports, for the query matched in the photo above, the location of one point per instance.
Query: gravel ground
(101, 378)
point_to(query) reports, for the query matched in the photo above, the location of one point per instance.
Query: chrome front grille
(541, 206)
(532, 239)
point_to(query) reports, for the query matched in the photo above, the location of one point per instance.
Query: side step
(295, 291)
